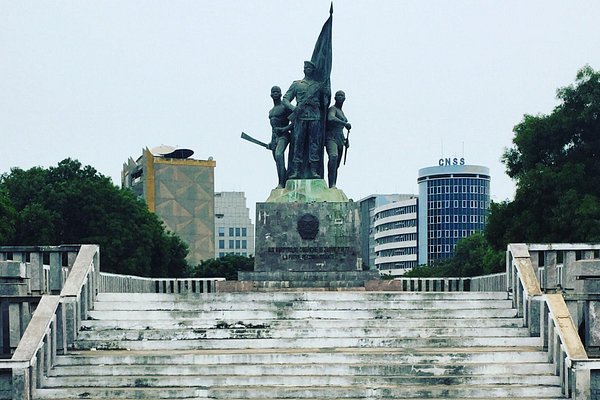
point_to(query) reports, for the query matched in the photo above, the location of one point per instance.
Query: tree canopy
(473, 256)
(226, 266)
(72, 204)
(554, 162)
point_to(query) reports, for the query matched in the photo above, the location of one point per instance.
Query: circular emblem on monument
(308, 226)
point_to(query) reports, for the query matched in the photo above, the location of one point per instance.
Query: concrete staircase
(303, 345)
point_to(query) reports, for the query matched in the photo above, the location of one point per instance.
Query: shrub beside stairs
(303, 345)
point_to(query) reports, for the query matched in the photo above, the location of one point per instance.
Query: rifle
(255, 141)
(346, 145)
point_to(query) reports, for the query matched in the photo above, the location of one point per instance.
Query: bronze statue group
(307, 128)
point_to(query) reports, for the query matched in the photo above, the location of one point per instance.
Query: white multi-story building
(367, 208)
(395, 233)
(234, 231)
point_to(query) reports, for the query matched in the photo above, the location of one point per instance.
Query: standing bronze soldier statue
(306, 151)
(334, 136)
(280, 138)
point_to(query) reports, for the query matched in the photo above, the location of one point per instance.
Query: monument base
(306, 191)
(307, 243)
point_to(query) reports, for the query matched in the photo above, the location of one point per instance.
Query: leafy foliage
(74, 204)
(7, 217)
(555, 163)
(473, 256)
(226, 266)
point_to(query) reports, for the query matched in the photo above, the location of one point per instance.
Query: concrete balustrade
(114, 283)
(54, 326)
(547, 315)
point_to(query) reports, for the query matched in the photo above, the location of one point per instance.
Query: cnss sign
(451, 161)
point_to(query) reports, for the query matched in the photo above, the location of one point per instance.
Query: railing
(487, 283)
(47, 266)
(113, 283)
(433, 284)
(56, 321)
(553, 261)
(547, 315)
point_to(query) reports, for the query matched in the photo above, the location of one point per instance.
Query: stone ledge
(13, 269)
(307, 191)
(265, 286)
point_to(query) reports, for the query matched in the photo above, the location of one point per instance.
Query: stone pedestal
(307, 235)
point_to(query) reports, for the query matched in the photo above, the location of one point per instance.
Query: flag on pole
(322, 54)
(322, 59)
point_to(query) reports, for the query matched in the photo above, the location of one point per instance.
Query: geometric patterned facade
(181, 193)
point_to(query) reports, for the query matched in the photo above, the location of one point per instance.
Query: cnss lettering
(451, 161)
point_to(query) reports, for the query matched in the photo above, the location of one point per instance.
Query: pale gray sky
(99, 80)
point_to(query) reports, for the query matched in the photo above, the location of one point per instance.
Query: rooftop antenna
(442, 143)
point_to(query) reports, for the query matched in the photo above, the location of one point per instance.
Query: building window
(244, 244)
(221, 231)
(237, 231)
(237, 244)
(244, 232)
(221, 244)
(230, 231)
(231, 244)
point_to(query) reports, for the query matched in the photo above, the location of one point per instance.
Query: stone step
(314, 282)
(309, 276)
(299, 332)
(306, 343)
(86, 392)
(309, 381)
(286, 313)
(395, 323)
(386, 392)
(336, 305)
(306, 295)
(389, 356)
(322, 369)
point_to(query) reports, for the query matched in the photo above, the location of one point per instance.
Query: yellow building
(180, 191)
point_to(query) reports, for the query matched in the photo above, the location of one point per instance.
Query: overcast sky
(98, 81)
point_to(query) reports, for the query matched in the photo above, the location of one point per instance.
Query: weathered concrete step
(298, 296)
(306, 343)
(233, 381)
(301, 281)
(383, 392)
(301, 314)
(330, 369)
(87, 392)
(274, 333)
(395, 323)
(339, 355)
(428, 398)
(302, 305)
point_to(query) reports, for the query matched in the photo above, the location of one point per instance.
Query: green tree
(224, 267)
(7, 218)
(75, 204)
(473, 256)
(555, 163)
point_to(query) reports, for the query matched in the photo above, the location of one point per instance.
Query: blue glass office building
(453, 203)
